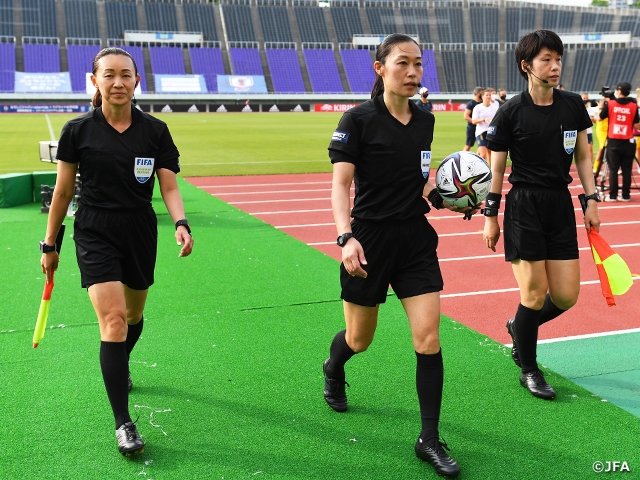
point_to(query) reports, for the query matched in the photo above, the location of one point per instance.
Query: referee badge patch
(143, 169)
(570, 138)
(492, 130)
(425, 163)
(340, 137)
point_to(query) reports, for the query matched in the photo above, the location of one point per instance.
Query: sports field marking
(275, 184)
(269, 192)
(283, 212)
(305, 225)
(279, 201)
(51, 134)
(585, 336)
(251, 163)
(506, 290)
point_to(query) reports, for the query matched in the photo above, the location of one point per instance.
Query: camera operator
(622, 113)
(424, 102)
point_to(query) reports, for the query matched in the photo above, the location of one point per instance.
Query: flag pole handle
(583, 202)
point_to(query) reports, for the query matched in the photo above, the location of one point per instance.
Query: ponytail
(97, 99)
(378, 87)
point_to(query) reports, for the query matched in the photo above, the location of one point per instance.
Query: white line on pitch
(590, 335)
(269, 192)
(275, 184)
(278, 201)
(53, 137)
(306, 225)
(283, 212)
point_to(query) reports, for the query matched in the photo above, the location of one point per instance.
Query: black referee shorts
(402, 254)
(471, 135)
(114, 246)
(540, 224)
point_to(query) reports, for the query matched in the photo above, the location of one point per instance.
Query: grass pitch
(223, 143)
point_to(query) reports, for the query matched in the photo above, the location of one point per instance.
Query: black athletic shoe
(129, 441)
(514, 350)
(434, 453)
(537, 385)
(334, 392)
(129, 383)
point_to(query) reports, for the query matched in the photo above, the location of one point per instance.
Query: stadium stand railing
(80, 54)
(7, 63)
(311, 24)
(41, 54)
(7, 18)
(199, 17)
(284, 67)
(121, 16)
(39, 18)
(322, 68)
(275, 24)
(239, 25)
(358, 67)
(207, 61)
(81, 19)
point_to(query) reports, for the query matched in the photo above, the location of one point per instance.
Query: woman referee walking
(385, 144)
(544, 129)
(118, 151)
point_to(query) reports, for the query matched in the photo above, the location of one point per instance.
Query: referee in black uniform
(544, 129)
(118, 151)
(385, 145)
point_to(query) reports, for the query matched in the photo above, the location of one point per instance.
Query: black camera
(606, 92)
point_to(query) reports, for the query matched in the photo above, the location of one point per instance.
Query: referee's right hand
(353, 258)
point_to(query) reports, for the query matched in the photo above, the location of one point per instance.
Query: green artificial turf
(228, 380)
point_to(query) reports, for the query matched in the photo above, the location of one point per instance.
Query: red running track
(480, 290)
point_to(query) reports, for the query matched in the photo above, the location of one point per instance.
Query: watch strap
(183, 223)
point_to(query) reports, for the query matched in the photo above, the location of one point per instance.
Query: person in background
(502, 96)
(481, 117)
(471, 128)
(424, 101)
(592, 111)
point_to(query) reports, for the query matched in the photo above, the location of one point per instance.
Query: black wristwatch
(44, 248)
(593, 196)
(183, 223)
(342, 239)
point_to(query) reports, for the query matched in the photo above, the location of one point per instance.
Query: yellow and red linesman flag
(43, 313)
(615, 276)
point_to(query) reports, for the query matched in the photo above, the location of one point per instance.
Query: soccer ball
(463, 179)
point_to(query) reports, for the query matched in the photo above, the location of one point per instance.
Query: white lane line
(505, 290)
(290, 211)
(278, 201)
(253, 163)
(53, 137)
(590, 335)
(274, 184)
(280, 227)
(226, 194)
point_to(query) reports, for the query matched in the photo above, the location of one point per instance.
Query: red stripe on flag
(601, 246)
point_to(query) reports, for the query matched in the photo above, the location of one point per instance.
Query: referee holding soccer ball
(385, 145)
(544, 129)
(118, 151)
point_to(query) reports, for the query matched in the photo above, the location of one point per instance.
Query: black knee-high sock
(429, 382)
(526, 330)
(339, 353)
(113, 361)
(133, 334)
(549, 310)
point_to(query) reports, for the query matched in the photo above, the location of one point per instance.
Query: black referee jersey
(541, 140)
(118, 169)
(392, 160)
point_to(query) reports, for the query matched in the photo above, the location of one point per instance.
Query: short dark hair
(530, 45)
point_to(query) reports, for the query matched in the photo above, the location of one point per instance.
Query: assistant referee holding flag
(544, 129)
(385, 145)
(118, 151)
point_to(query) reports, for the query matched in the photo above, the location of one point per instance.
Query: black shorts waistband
(533, 186)
(116, 211)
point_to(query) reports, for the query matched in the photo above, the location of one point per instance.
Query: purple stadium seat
(323, 71)
(246, 61)
(430, 72)
(358, 67)
(7, 66)
(41, 57)
(285, 70)
(208, 63)
(80, 59)
(167, 60)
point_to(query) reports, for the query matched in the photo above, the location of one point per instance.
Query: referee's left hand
(183, 238)
(468, 211)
